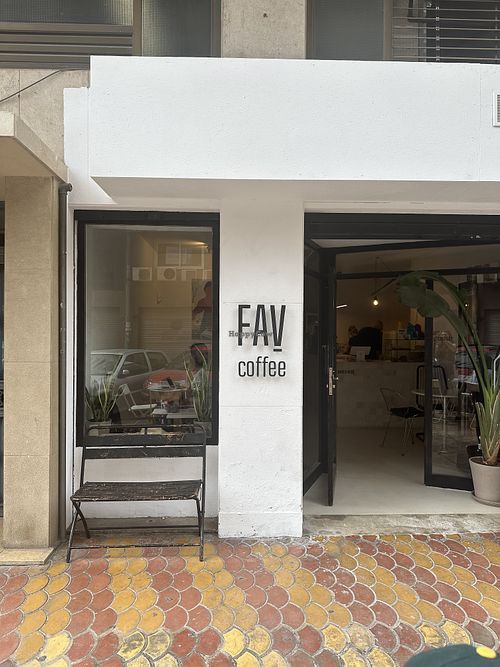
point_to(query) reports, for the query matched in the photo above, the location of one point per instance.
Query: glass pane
(177, 27)
(148, 355)
(312, 368)
(114, 12)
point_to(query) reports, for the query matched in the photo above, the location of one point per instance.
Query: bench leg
(84, 520)
(77, 513)
(201, 527)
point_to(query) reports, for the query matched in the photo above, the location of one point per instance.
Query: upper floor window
(414, 30)
(65, 33)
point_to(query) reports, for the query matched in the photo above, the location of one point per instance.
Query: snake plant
(101, 399)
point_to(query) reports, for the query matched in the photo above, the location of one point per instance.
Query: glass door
(331, 393)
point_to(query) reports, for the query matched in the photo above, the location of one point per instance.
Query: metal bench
(167, 442)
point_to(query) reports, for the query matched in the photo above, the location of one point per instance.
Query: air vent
(142, 274)
(496, 109)
(166, 274)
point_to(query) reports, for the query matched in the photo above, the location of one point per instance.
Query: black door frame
(424, 230)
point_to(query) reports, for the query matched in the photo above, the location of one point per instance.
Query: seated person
(369, 337)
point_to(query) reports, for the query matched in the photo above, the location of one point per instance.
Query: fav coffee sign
(261, 327)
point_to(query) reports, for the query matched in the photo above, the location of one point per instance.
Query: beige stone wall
(31, 363)
(41, 107)
(264, 28)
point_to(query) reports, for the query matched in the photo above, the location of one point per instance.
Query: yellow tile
(203, 580)
(334, 638)
(212, 598)
(389, 537)
(429, 612)
(132, 645)
(123, 600)
(284, 578)
(234, 597)
(58, 601)
(379, 658)
(29, 647)
(260, 549)
(214, 564)
(385, 593)
(366, 561)
(273, 659)
(32, 622)
(440, 559)
(166, 661)
(487, 590)
(246, 659)
(145, 599)
(152, 620)
(420, 548)
(56, 622)
(444, 575)
(403, 547)
(34, 602)
(350, 548)
(132, 552)
(290, 562)
(120, 582)
(360, 637)
(348, 562)
(304, 578)
(384, 576)
(136, 565)
(36, 583)
(259, 640)
(272, 563)
(222, 618)
(246, 617)
(140, 581)
(57, 569)
(299, 595)
(407, 612)
(491, 607)
(158, 644)
(339, 615)
(455, 633)
(194, 564)
(116, 566)
(223, 579)
(128, 621)
(233, 642)
(141, 661)
(316, 616)
(431, 635)
(364, 576)
(405, 593)
(56, 646)
(423, 560)
(352, 658)
(279, 549)
(463, 575)
(321, 595)
(60, 662)
(57, 584)
(470, 592)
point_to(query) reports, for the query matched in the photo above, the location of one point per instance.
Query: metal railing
(446, 30)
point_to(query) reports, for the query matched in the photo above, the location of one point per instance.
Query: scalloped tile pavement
(327, 601)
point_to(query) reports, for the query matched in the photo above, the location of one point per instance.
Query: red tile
(183, 643)
(325, 578)
(244, 579)
(175, 564)
(78, 583)
(88, 662)
(438, 545)
(80, 622)
(408, 637)
(151, 552)
(221, 660)
(310, 563)
(478, 559)
(194, 661)
(8, 644)
(452, 612)
(385, 637)
(264, 579)
(155, 565)
(293, 616)
(112, 662)
(252, 563)
(79, 601)
(168, 598)
(96, 566)
(175, 619)
(342, 595)
(101, 600)
(426, 576)
(269, 616)
(3, 580)
(473, 610)
(277, 596)
(15, 583)
(297, 550)
(362, 614)
(310, 639)
(327, 659)
(385, 561)
(225, 549)
(301, 659)
(386, 548)
(404, 561)
(99, 582)
(183, 580)
(79, 566)
(190, 598)
(284, 640)
(107, 646)
(208, 642)
(426, 592)
(459, 559)
(10, 621)
(483, 574)
(234, 564)
(363, 594)
(455, 547)
(345, 577)
(199, 618)
(104, 620)
(81, 647)
(482, 634)
(161, 581)
(384, 613)
(328, 562)
(242, 550)
(404, 575)
(402, 656)
(12, 601)
(315, 550)
(367, 548)
(256, 596)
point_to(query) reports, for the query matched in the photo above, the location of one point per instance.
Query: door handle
(332, 380)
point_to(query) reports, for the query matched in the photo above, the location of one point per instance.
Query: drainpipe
(64, 189)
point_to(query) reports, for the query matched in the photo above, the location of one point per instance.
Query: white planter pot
(486, 481)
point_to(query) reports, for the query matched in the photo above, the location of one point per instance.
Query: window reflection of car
(175, 372)
(126, 367)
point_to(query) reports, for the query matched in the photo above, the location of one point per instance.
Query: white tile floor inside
(379, 480)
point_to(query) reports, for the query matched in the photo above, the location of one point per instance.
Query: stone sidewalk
(326, 601)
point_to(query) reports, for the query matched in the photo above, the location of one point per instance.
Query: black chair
(168, 442)
(396, 407)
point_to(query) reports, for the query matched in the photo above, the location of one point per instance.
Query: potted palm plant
(413, 291)
(100, 400)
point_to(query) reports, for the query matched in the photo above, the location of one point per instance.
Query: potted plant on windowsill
(414, 292)
(100, 400)
(200, 384)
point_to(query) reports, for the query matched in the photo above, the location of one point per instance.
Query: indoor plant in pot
(100, 400)
(414, 292)
(200, 383)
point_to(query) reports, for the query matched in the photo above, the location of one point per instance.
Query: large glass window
(147, 302)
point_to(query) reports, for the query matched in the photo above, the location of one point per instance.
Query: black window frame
(82, 219)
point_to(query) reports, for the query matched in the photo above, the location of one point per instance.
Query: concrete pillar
(260, 431)
(31, 363)
(264, 28)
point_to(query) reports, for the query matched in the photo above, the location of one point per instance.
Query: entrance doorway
(357, 458)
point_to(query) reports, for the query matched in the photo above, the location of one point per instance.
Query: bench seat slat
(131, 491)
